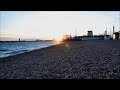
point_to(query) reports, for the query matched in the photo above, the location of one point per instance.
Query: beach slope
(97, 59)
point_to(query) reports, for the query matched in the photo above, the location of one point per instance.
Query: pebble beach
(94, 59)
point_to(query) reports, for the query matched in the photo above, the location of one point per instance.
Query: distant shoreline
(26, 41)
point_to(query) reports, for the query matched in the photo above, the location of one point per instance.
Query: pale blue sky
(54, 24)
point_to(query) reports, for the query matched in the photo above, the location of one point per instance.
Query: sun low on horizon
(57, 38)
(49, 25)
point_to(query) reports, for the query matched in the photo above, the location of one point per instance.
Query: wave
(5, 50)
(11, 48)
(17, 52)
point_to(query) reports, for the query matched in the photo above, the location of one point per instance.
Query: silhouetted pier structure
(19, 40)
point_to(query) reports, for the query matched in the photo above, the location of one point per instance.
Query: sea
(10, 48)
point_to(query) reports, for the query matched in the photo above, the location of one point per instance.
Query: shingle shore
(97, 59)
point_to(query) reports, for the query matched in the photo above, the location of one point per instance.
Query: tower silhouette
(106, 31)
(113, 29)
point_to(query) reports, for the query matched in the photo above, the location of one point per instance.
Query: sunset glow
(46, 25)
(58, 38)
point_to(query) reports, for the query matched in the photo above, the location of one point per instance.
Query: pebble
(97, 59)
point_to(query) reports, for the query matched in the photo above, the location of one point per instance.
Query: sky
(31, 25)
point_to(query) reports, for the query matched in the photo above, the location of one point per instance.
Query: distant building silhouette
(116, 35)
(90, 33)
(67, 38)
(90, 36)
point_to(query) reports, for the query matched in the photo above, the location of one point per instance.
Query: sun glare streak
(57, 38)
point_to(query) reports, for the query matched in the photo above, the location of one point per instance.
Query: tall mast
(106, 30)
(75, 31)
(113, 29)
(110, 31)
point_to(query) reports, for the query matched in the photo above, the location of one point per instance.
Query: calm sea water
(13, 48)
